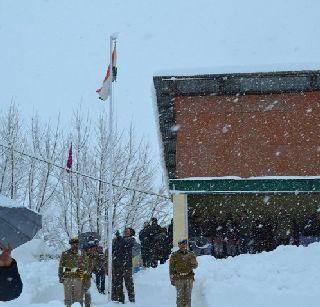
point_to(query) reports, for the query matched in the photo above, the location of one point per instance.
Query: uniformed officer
(181, 265)
(90, 250)
(73, 269)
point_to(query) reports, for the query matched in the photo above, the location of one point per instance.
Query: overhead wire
(82, 174)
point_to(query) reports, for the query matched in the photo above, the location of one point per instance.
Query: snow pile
(32, 252)
(288, 276)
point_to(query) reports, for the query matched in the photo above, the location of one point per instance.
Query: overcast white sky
(53, 53)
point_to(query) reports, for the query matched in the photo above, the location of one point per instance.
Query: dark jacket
(10, 282)
(155, 230)
(101, 263)
(162, 246)
(122, 251)
(144, 237)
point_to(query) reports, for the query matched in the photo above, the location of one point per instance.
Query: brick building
(241, 141)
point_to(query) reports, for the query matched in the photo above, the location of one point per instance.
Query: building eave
(169, 87)
(227, 186)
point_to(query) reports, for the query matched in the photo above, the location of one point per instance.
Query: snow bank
(31, 251)
(288, 276)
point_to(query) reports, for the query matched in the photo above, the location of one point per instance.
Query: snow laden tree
(73, 195)
(75, 200)
(12, 177)
(43, 178)
(133, 175)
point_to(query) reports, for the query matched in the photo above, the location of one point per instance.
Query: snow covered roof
(8, 202)
(168, 87)
(239, 83)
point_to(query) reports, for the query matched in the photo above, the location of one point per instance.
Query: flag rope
(82, 174)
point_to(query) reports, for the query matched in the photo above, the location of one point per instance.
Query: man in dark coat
(100, 269)
(243, 232)
(122, 266)
(263, 237)
(155, 230)
(295, 232)
(144, 237)
(162, 248)
(10, 281)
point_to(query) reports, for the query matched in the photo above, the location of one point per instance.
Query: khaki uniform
(75, 272)
(86, 284)
(181, 268)
(92, 266)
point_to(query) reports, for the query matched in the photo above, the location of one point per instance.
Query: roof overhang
(235, 186)
(169, 87)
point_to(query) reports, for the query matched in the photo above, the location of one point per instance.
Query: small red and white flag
(104, 90)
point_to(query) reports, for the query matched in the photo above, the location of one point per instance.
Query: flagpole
(71, 211)
(69, 170)
(110, 175)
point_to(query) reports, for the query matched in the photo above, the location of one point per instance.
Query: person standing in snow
(73, 269)
(122, 266)
(154, 230)
(162, 249)
(244, 233)
(144, 237)
(90, 250)
(10, 281)
(295, 232)
(100, 269)
(181, 266)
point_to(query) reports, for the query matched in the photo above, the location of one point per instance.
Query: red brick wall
(249, 135)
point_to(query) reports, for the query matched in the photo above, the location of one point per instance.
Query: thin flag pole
(110, 174)
(69, 170)
(71, 205)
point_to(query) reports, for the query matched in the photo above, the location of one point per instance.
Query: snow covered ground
(286, 277)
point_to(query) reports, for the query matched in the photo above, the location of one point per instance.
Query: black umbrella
(18, 224)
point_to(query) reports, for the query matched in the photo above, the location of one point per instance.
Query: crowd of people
(227, 237)
(156, 243)
(77, 265)
(231, 237)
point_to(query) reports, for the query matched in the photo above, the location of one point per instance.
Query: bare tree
(42, 181)
(11, 177)
(70, 202)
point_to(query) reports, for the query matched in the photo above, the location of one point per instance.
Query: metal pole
(71, 211)
(110, 176)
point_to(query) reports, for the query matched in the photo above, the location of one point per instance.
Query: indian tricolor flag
(104, 91)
